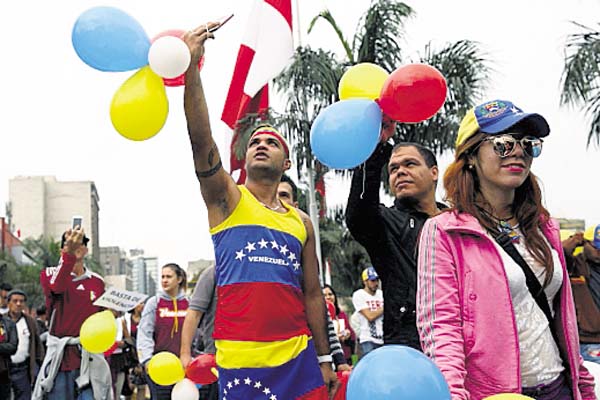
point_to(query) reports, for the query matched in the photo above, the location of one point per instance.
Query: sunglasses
(504, 145)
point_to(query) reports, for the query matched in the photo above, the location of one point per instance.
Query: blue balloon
(108, 39)
(396, 372)
(346, 133)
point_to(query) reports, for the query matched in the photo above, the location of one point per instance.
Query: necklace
(504, 226)
(509, 230)
(271, 208)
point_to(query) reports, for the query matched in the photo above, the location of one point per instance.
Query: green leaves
(379, 30)
(581, 76)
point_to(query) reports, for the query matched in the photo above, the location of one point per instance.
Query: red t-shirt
(70, 298)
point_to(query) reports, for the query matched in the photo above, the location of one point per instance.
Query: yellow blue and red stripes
(261, 332)
(292, 380)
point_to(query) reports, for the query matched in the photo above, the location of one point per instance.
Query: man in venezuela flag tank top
(270, 316)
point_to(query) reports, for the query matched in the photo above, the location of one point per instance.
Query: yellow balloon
(165, 368)
(98, 332)
(362, 81)
(139, 107)
(509, 396)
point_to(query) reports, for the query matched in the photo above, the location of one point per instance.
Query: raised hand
(195, 40)
(74, 239)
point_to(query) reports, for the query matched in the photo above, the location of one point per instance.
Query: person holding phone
(70, 290)
(265, 250)
(77, 222)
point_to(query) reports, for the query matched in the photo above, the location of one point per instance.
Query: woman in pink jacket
(477, 318)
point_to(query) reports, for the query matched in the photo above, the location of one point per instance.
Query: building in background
(118, 269)
(152, 275)
(144, 272)
(573, 224)
(110, 259)
(194, 269)
(120, 282)
(41, 205)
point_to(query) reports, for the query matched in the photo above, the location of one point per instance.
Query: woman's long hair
(464, 195)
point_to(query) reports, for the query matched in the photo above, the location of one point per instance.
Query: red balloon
(199, 369)
(413, 93)
(178, 80)
(330, 309)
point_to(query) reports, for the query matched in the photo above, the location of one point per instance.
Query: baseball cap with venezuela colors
(593, 235)
(369, 274)
(496, 117)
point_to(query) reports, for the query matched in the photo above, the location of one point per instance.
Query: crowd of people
(482, 284)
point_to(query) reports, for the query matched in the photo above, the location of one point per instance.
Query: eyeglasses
(504, 145)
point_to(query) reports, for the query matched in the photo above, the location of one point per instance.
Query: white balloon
(185, 390)
(595, 371)
(169, 57)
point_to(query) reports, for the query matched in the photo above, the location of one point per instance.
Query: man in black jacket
(390, 234)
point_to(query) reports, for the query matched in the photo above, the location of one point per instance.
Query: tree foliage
(581, 77)
(345, 255)
(310, 84)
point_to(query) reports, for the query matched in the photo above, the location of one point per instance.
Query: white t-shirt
(23, 346)
(540, 358)
(369, 331)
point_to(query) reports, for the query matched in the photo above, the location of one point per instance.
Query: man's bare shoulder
(305, 218)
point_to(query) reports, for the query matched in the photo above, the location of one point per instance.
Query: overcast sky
(55, 112)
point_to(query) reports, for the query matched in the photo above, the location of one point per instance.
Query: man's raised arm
(219, 191)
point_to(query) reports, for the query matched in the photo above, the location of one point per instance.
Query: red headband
(271, 131)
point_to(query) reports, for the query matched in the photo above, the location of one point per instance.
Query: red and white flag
(266, 49)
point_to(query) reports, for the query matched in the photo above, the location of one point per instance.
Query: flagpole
(298, 22)
(313, 212)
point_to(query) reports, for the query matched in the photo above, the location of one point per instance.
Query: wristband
(325, 359)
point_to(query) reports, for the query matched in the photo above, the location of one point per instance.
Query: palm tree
(310, 83)
(346, 256)
(462, 63)
(44, 250)
(581, 76)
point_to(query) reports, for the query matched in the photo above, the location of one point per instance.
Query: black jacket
(8, 345)
(390, 235)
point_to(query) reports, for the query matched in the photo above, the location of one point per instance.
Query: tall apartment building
(138, 275)
(117, 267)
(41, 205)
(110, 259)
(144, 272)
(152, 276)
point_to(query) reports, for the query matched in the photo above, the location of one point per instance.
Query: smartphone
(77, 222)
(222, 22)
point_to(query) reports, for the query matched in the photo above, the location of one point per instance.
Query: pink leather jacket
(465, 315)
